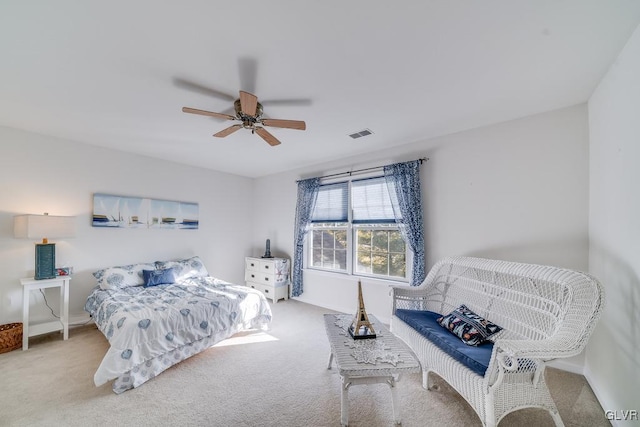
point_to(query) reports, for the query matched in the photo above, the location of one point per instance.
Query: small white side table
(30, 284)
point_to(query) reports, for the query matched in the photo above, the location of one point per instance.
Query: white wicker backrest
(528, 301)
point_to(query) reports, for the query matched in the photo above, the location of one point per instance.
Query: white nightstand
(269, 275)
(30, 284)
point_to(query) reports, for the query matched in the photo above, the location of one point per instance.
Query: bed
(155, 315)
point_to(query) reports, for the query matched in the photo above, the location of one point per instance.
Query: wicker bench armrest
(406, 292)
(408, 297)
(544, 349)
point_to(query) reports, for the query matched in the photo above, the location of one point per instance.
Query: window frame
(352, 229)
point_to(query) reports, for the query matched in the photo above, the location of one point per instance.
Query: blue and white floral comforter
(145, 326)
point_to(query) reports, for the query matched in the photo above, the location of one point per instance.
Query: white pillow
(185, 268)
(119, 277)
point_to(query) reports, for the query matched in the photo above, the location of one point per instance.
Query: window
(353, 231)
(329, 230)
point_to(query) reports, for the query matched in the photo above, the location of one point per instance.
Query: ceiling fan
(248, 111)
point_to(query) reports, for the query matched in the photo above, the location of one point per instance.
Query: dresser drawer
(257, 286)
(267, 267)
(278, 267)
(252, 264)
(252, 276)
(271, 292)
(265, 279)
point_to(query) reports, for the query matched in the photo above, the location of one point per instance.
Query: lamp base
(45, 261)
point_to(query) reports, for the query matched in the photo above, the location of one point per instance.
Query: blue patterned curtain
(307, 196)
(403, 181)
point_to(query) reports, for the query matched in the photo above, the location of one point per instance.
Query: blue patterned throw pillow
(158, 277)
(468, 326)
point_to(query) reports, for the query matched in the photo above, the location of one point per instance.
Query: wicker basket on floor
(10, 337)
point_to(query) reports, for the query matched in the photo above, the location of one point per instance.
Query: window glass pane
(371, 202)
(363, 240)
(396, 242)
(331, 204)
(341, 239)
(363, 251)
(317, 238)
(380, 264)
(380, 241)
(397, 266)
(317, 257)
(341, 259)
(327, 258)
(364, 262)
(327, 239)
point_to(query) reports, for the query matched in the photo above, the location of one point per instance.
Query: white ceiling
(106, 72)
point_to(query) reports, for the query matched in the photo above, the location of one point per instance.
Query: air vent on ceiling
(362, 133)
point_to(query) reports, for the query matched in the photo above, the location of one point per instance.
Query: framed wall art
(137, 212)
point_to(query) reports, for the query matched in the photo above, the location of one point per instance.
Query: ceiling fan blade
(195, 87)
(248, 103)
(289, 124)
(207, 113)
(228, 131)
(264, 134)
(248, 68)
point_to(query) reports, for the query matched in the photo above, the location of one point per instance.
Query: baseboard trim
(79, 319)
(599, 395)
(565, 365)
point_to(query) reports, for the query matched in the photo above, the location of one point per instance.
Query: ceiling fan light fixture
(237, 106)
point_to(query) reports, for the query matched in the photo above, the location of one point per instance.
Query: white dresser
(269, 275)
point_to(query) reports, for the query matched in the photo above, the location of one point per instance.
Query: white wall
(613, 355)
(515, 191)
(44, 174)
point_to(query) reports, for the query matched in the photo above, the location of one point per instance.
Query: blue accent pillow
(158, 277)
(468, 326)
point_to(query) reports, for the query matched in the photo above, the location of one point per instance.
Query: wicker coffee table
(367, 361)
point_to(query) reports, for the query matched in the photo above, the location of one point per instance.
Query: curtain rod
(350, 173)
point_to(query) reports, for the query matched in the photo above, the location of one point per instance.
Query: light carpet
(277, 378)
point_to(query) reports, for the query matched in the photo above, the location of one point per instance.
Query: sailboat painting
(137, 212)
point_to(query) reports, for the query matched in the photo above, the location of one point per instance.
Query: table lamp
(44, 227)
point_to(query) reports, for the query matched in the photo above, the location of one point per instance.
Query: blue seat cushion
(425, 322)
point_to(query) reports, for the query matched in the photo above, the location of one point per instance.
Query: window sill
(376, 280)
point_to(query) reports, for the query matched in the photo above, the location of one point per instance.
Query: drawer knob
(266, 291)
(266, 279)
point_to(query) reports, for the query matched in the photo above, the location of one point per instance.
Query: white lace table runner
(369, 351)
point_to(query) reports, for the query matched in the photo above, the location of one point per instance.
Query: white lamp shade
(36, 227)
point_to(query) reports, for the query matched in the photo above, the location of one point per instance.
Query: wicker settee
(545, 312)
